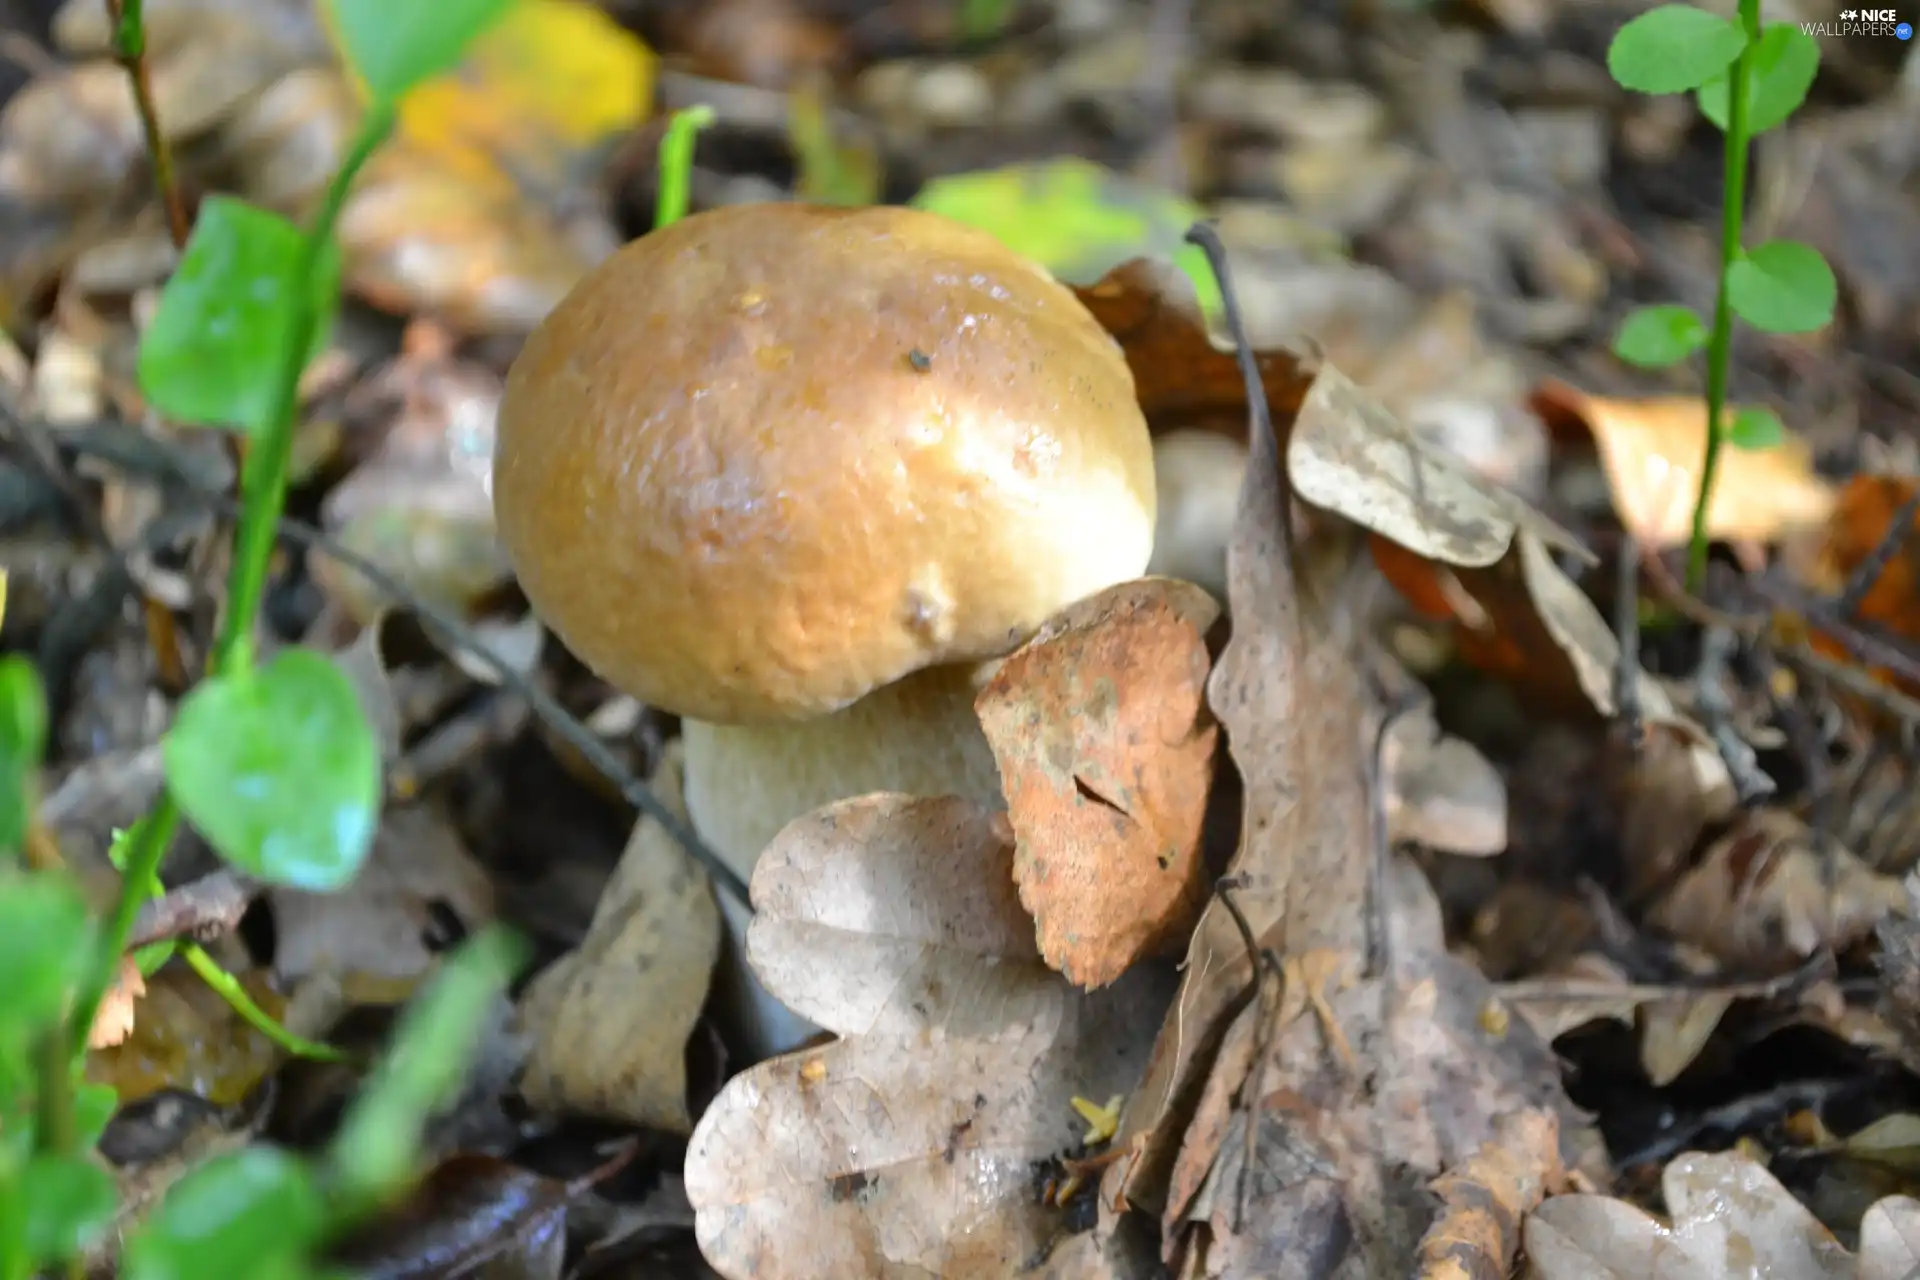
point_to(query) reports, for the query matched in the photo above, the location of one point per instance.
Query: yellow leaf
(549, 81)
(1651, 450)
(464, 213)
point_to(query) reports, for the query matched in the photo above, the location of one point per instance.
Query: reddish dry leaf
(1488, 1195)
(1182, 377)
(1105, 748)
(1862, 519)
(1651, 450)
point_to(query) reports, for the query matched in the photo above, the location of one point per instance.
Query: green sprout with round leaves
(1747, 79)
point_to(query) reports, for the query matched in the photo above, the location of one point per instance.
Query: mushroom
(795, 473)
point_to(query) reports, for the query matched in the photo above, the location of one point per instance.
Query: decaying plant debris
(1409, 874)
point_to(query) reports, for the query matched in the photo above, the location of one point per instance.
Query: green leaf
(1076, 219)
(211, 356)
(23, 740)
(1673, 49)
(235, 1217)
(66, 1203)
(1782, 286)
(396, 44)
(1755, 429)
(279, 770)
(1780, 71)
(94, 1106)
(1655, 337)
(46, 942)
(378, 1142)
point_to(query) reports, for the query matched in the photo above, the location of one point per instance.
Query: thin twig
(130, 51)
(1717, 647)
(206, 908)
(1626, 629)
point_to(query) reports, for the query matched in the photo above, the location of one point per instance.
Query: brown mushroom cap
(772, 457)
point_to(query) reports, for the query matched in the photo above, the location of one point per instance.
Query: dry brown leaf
(1105, 746)
(1486, 1198)
(113, 1020)
(911, 1146)
(1355, 1080)
(1182, 376)
(418, 892)
(1771, 891)
(1651, 451)
(1440, 791)
(610, 1020)
(1729, 1217)
(1862, 519)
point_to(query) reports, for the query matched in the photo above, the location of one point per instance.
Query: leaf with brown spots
(1105, 747)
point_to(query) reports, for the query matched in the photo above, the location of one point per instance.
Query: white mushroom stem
(744, 783)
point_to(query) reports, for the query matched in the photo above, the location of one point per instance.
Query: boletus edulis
(793, 473)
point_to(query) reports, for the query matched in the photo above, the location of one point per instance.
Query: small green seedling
(275, 763)
(1747, 79)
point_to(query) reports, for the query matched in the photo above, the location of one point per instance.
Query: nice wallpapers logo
(1862, 22)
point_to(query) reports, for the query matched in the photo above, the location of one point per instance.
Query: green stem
(264, 487)
(264, 494)
(147, 845)
(676, 164)
(1733, 203)
(259, 1019)
(54, 1133)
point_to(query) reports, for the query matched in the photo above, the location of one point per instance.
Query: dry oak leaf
(909, 1147)
(1105, 745)
(1772, 891)
(1652, 449)
(609, 1020)
(1730, 1217)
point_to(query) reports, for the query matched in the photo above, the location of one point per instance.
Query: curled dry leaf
(418, 893)
(910, 1146)
(610, 1020)
(1651, 451)
(466, 214)
(1771, 891)
(1440, 791)
(1105, 746)
(1729, 1217)
(1488, 1195)
(1289, 1124)
(113, 1020)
